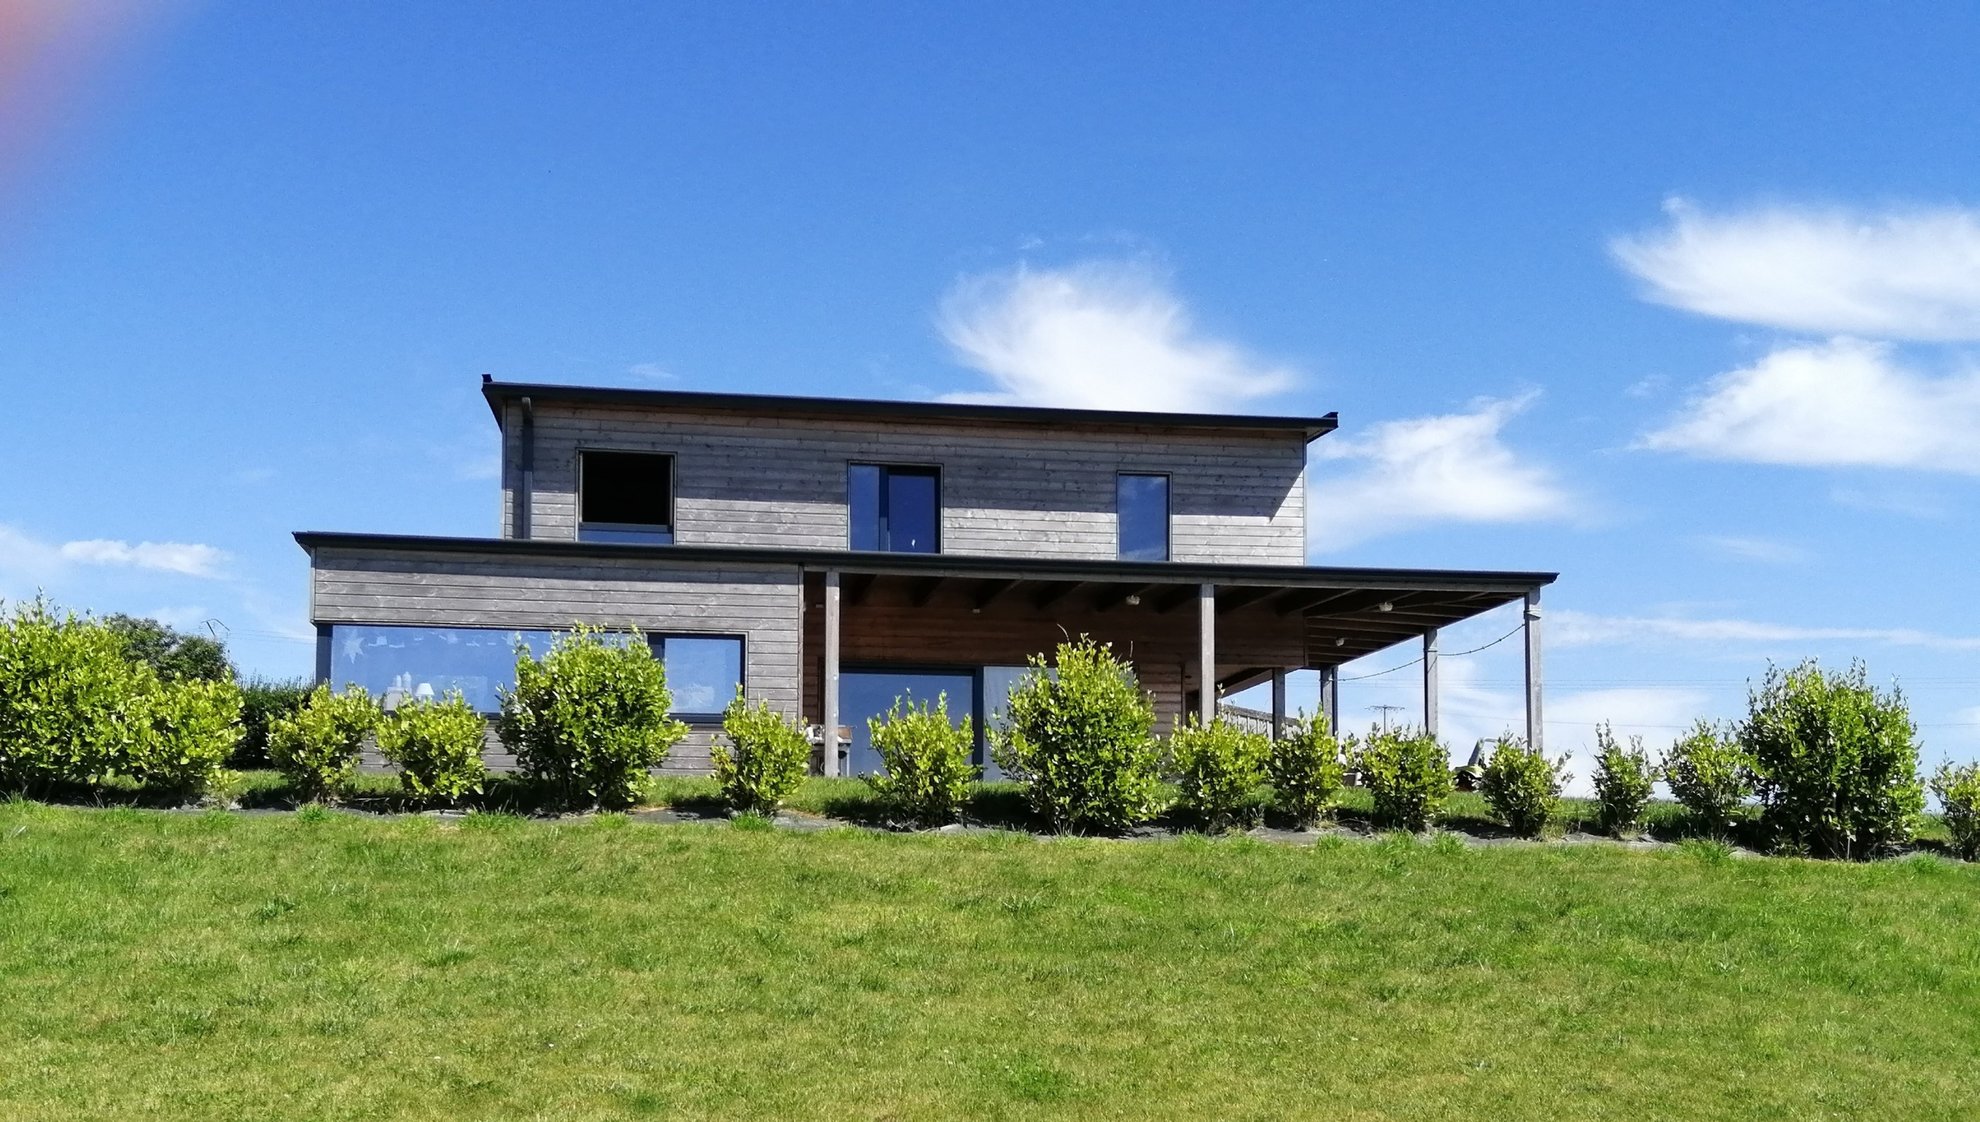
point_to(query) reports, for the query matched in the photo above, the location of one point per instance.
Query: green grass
(334, 965)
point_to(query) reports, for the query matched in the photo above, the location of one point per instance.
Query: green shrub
(1835, 762)
(1623, 781)
(1081, 741)
(766, 761)
(1408, 775)
(181, 733)
(1709, 774)
(436, 746)
(927, 760)
(263, 700)
(317, 747)
(1522, 786)
(1305, 769)
(66, 691)
(1216, 767)
(1958, 790)
(591, 718)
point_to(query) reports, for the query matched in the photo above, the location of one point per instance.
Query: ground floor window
(977, 693)
(398, 664)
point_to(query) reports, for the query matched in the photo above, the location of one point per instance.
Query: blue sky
(1683, 304)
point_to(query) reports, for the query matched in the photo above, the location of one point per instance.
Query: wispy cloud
(1109, 334)
(1583, 629)
(1754, 549)
(25, 556)
(1901, 273)
(651, 372)
(1406, 474)
(165, 557)
(1907, 502)
(1845, 403)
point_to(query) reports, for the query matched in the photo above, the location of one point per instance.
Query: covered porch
(971, 624)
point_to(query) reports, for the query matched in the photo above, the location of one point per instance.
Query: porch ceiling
(1341, 621)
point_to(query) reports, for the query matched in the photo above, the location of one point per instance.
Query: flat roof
(951, 564)
(500, 393)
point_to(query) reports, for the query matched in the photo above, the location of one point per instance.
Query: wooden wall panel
(1025, 490)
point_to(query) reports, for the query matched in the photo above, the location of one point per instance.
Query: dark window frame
(656, 641)
(886, 467)
(980, 749)
(654, 530)
(1168, 514)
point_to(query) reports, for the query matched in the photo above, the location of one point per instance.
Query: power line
(1419, 658)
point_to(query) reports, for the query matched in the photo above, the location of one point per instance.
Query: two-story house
(829, 556)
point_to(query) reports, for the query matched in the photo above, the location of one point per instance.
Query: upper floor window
(625, 497)
(895, 509)
(1141, 514)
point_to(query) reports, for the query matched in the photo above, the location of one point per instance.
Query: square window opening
(625, 497)
(894, 509)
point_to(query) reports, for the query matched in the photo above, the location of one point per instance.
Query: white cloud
(1843, 403)
(165, 557)
(29, 558)
(1582, 629)
(1754, 549)
(1097, 335)
(1901, 273)
(651, 372)
(1405, 474)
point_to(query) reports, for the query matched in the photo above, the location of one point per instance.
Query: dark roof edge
(1157, 572)
(498, 392)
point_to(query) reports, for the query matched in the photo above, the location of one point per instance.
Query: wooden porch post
(1430, 682)
(1278, 704)
(1330, 697)
(1534, 723)
(829, 765)
(1206, 655)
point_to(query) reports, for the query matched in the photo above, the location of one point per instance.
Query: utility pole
(1385, 710)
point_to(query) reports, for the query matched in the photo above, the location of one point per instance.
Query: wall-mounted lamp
(1134, 601)
(1385, 606)
(1340, 642)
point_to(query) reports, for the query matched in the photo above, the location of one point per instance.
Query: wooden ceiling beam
(1055, 592)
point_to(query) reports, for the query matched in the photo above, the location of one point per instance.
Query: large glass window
(1142, 517)
(397, 664)
(895, 509)
(703, 672)
(865, 694)
(625, 497)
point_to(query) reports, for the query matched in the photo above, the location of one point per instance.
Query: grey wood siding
(761, 603)
(1023, 490)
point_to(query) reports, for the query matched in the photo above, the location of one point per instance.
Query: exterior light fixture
(1340, 642)
(1385, 606)
(1134, 601)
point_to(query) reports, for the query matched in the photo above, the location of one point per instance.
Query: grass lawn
(320, 966)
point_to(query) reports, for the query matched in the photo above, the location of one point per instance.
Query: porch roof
(1347, 612)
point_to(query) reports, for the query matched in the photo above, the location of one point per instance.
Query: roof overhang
(499, 394)
(1346, 612)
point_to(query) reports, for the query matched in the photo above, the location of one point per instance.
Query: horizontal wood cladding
(689, 757)
(760, 603)
(1007, 489)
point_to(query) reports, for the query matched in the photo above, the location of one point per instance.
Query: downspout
(528, 456)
